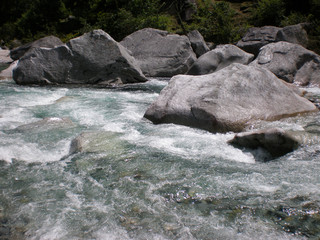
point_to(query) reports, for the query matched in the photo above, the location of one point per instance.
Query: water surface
(137, 180)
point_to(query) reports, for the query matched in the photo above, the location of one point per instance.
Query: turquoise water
(131, 179)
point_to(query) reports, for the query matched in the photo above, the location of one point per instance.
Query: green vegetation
(218, 21)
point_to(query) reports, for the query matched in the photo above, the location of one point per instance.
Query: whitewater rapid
(144, 181)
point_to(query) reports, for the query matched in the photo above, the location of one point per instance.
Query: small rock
(275, 141)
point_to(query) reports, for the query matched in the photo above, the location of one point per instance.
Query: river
(135, 180)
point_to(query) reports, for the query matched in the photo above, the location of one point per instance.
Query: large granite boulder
(290, 62)
(293, 34)
(93, 58)
(218, 58)
(47, 42)
(255, 38)
(198, 44)
(226, 100)
(159, 53)
(275, 141)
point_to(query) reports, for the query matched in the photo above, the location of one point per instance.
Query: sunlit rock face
(290, 62)
(93, 58)
(218, 58)
(159, 53)
(227, 100)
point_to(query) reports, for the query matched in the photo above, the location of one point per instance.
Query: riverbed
(135, 180)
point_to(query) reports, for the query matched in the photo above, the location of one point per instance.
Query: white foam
(189, 143)
(37, 97)
(17, 149)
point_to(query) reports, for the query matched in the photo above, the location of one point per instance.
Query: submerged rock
(46, 42)
(93, 58)
(227, 100)
(46, 123)
(159, 53)
(92, 142)
(290, 62)
(275, 141)
(222, 56)
(198, 44)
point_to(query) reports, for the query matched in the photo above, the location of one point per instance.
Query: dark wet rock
(159, 53)
(46, 42)
(290, 62)
(198, 44)
(218, 58)
(226, 100)
(256, 37)
(93, 58)
(93, 142)
(275, 141)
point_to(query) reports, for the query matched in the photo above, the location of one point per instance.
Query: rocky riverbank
(233, 88)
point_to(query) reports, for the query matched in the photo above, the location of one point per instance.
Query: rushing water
(136, 180)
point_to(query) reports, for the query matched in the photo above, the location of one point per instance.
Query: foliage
(218, 21)
(269, 12)
(215, 22)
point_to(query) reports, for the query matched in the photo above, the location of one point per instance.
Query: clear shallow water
(143, 181)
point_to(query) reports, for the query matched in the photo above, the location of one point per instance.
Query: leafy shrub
(215, 21)
(269, 12)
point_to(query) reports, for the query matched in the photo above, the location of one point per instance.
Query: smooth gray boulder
(290, 62)
(293, 34)
(218, 58)
(275, 141)
(159, 53)
(93, 58)
(226, 100)
(198, 44)
(47, 42)
(255, 38)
